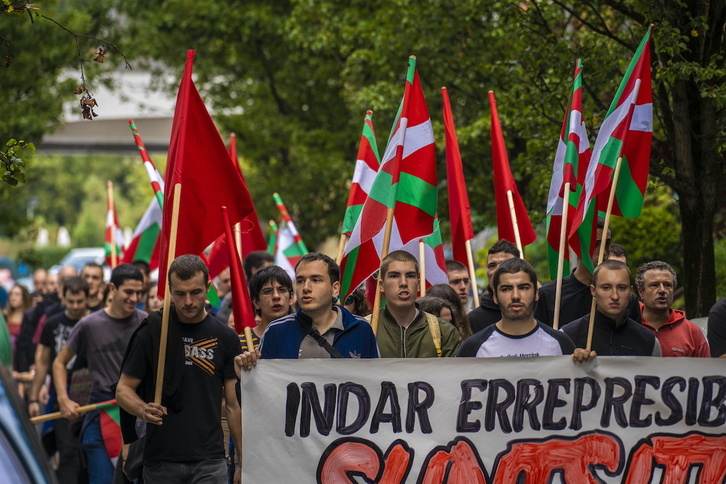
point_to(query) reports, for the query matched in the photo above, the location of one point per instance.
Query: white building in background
(134, 96)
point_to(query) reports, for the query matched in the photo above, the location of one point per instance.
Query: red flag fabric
(198, 160)
(503, 183)
(244, 316)
(459, 209)
(218, 256)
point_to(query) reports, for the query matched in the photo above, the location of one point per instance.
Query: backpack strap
(435, 330)
(322, 342)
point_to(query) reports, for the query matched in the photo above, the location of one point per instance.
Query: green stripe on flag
(415, 191)
(351, 216)
(381, 187)
(147, 242)
(627, 192)
(347, 276)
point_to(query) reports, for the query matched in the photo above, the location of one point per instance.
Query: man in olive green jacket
(404, 331)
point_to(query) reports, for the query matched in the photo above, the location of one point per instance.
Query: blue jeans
(100, 468)
(208, 471)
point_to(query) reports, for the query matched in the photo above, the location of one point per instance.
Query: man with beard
(514, 290)
(488, 311)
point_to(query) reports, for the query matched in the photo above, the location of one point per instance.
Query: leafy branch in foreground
(13, 159)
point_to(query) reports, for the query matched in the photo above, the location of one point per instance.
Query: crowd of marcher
(78, 340)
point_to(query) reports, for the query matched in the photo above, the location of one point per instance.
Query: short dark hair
(455, 265)
(74, 285)
(124, 272)
(601, 225)
(612, 265)
(187, 266)
(505, 246)
(143, 266)
(397, 256)
(93, 265)
(618, 250)
(255, 260)
(268, 274)
(512, 266)
(333, 269)
(655, 265)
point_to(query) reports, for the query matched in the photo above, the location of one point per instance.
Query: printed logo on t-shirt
(201, 353)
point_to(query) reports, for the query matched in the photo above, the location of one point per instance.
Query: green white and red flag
(144, 243)
(272, 238)
(199, 161)
(114, 238)
(570, 165)
(289, 249)
(366, 168)
(503, 184)
(627, 132)
(155, 178)
(110, 421)
(406, 182)
(434, 259)
(459, 208)
(289, 224)
(244, 315)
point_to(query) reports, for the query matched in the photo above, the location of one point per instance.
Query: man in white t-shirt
(518, 333)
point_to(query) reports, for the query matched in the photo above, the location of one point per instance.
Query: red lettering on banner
(340, 460)
(353, 456)
(460, 465)
(676, 456)
(573, 457)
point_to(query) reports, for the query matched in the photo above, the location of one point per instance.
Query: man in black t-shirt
(52, 339)
(184, 437)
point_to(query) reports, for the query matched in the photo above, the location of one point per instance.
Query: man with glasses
(614, 333)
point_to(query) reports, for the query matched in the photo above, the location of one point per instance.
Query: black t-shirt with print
(194, 432)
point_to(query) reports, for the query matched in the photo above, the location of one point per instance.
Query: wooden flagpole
(167, 300)
(422, 267)
(386, 243)
(472, 273)
(80, 410)
(341, 248)
(601, 255)
(561, 257)
(515, 224)
(112, 209)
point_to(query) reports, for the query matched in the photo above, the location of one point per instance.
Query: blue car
(22, 459)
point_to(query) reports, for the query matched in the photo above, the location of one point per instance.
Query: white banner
(485, 420)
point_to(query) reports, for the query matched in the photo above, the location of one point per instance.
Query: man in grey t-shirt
(100, 339)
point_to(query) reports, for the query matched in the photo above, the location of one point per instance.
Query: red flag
(459, 209)
(503, 183)
(199, 161)
(244, 316)
(218, 256)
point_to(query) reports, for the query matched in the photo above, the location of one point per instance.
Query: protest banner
(485, 420)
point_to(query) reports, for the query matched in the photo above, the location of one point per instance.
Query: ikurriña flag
(199, 162)
(366, 168)
(504, 185)
(406, 183)
(627, 132)
(570, 165)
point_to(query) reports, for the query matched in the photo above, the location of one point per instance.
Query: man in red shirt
(656, 282)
